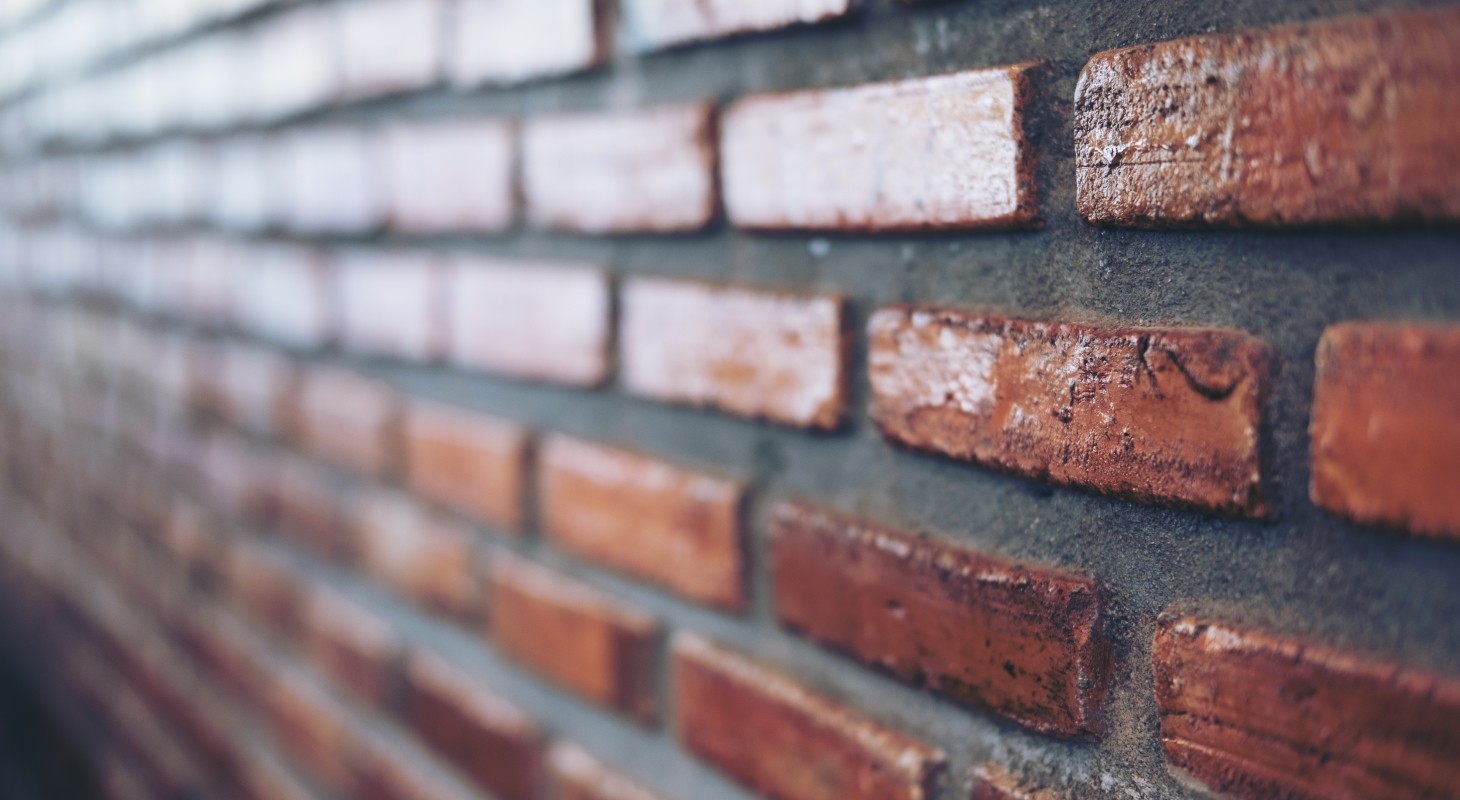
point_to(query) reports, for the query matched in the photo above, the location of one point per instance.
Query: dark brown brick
(1158, 415)
(1386, 441)
(782, 741)
(1255, 715)
(662, 523)
(1338, 121)
(575, 636)
(1024, 642)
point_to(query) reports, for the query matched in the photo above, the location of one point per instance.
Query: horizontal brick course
(647, 170)
(780, 740)
(1385, 446)
(929, 153)
(672, 526)
(1334, 121)
(350, 643)
(584, 640)
(391, 303)
(577, 775)
(655, 24)
(345, 418)
(1022, 641)
(1257, 715)
(446, 175)
(1160, 415)
(428, 560)
(752, 352)
(330, 181)
(388, 46)
(510, 41)
(472, 463)
(287, 298)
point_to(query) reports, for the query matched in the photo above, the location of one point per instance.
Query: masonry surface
(591, 400)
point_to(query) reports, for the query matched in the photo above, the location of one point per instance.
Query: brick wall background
(567, 400)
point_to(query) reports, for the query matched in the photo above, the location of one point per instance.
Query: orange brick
(1159, 415)
(469, 462)
(575, 636)
(780, 740)
(424, 558)
(312, 724)
(756, 353)
(345, 418)
(1338, 121)
(671, 526)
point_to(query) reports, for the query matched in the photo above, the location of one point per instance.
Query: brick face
(582, 639)
(1160, 415)
(756, 353)
(510, 41)
(929, 153)
(664, 23)
(1385, 446)
(1024, 642)
(660, 522)
(472, 463)
(780, 740)
(345, 418)
(650, 170)
(287, 297)
(388, 46)
(448, 175)
(1330, 122)
(428, 560)
(391, 304)
(1256, 715)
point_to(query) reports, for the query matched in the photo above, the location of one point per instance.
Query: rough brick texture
(1257, 715)
(929, 153)
(1331, 122)
(746, 351)
(660, 522)
(1022, 641)
(1171, 416)
(781, 740)
(1385, 448)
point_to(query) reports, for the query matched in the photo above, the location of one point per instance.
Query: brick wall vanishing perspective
(716, 399)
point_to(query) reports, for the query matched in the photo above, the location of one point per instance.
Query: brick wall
(668, 399)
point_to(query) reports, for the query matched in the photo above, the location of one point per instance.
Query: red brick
(660, 522)
(387, 46)
(1339, 121)
(1029, 643)
(227, 655)
(780, 740)
(577, 775)
(993, 782)
(1159, 415)
(1386, 444)
(331, 183)
(469, 462)
(306, 506)
(486, 737)
(756, 353)
(265, 585)
(943, 152)
(539, 321)
(1257, 715)
(391, 303)
(426, 559)
(656, 24)
(650, 170)
(510, 41)
(449, 175)
(387, 771)
(345, 418)
(311, 725)
(285, 298)
(349, 643)
(575, 636)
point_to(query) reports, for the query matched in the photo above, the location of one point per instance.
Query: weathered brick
(1338, 121)
(426, 559)
(780, 740)
(540, 321)
(486, 737)
(331, 183)
(654, 24)
(472, 463)
(391, 303)
(346, 418)
(752, 352)
(993, 782)
(1257, 715)
(349, 643)
(575, 636)
(448, 175)
(387, 46)
(649, 170)
(285, 298)
(312, 725)
(577, 775)
(510, 41)
(660, 522)
(1386, 444)
(1029, 643)
(942, 152)
(1158, 415)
